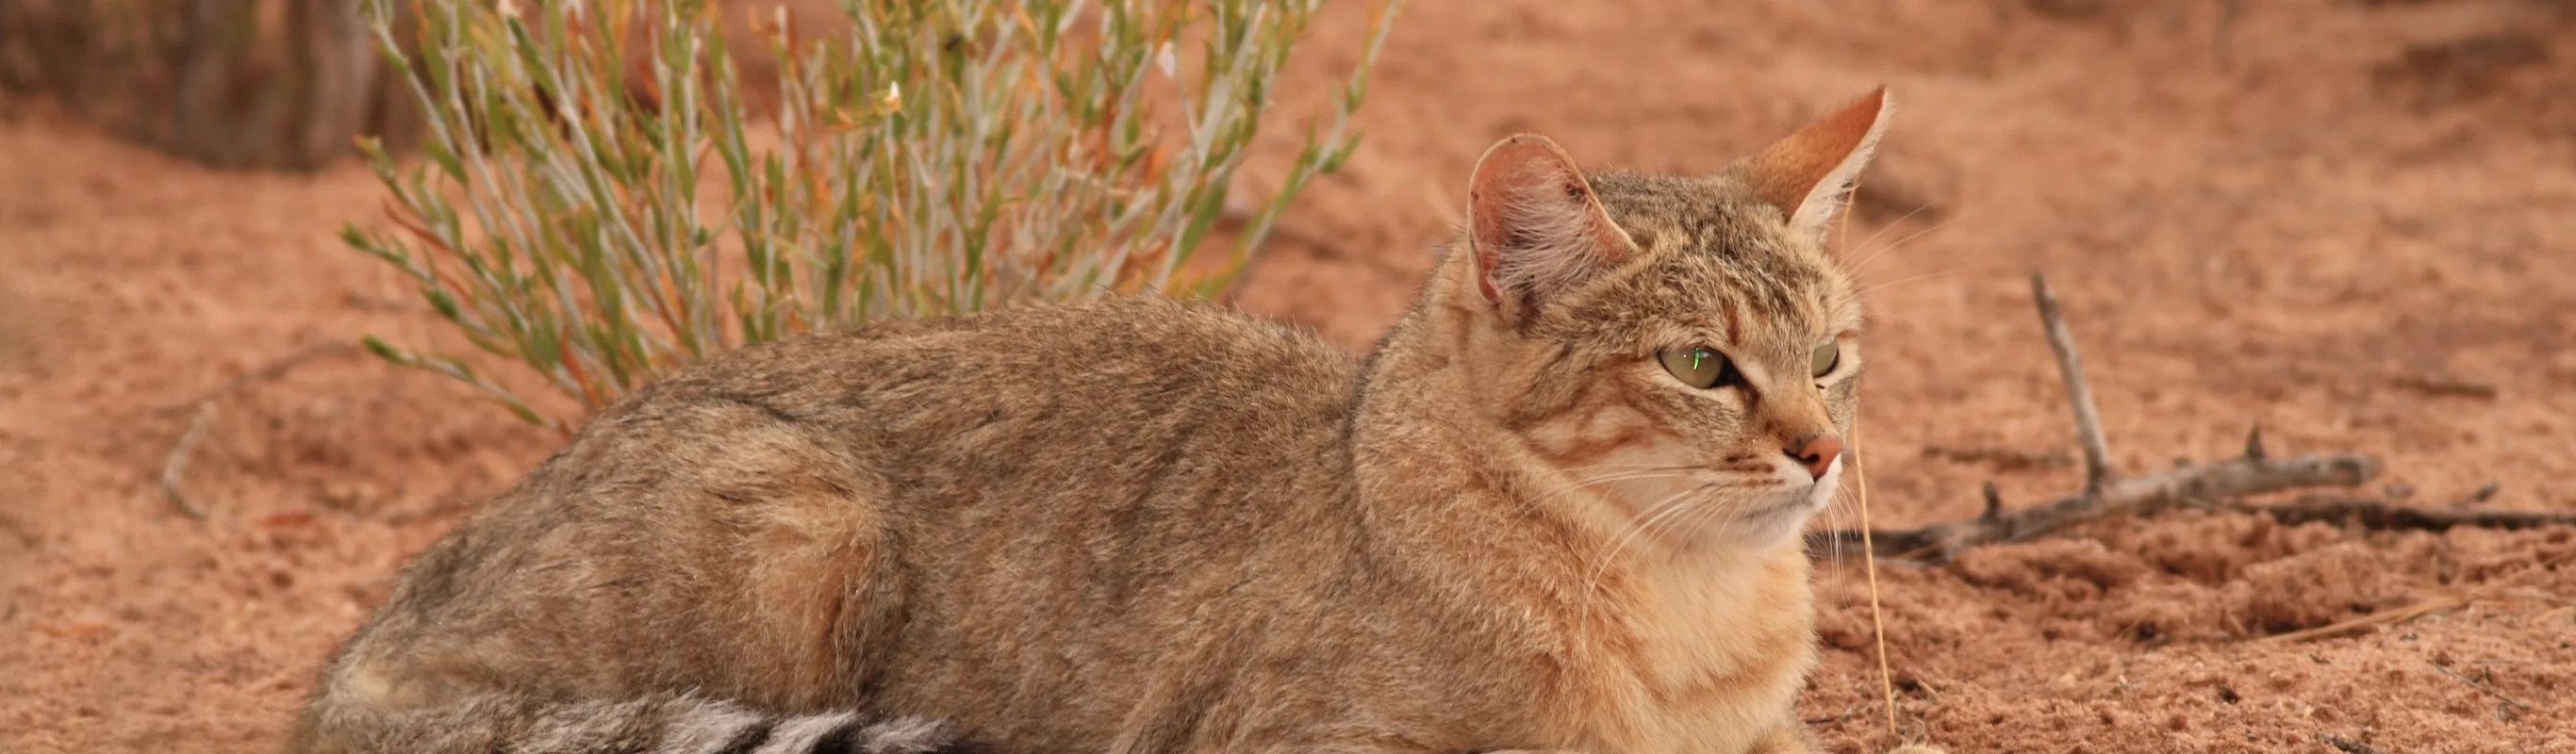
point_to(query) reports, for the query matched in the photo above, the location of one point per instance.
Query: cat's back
(962, 388)
(1096, 409)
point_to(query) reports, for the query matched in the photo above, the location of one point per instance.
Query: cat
(1558, 508)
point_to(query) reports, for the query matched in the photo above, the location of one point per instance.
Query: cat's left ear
(1809, 175)
(1535, 226)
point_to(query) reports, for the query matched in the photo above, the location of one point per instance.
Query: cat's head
(1686, 344)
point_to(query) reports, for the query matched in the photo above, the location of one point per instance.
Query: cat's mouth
(1820, 490)
(1767, 519)
(1761, 501)
(1801, 502)
(1802, 495)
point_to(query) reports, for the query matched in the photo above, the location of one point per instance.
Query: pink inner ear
(1517, 161)
(1533, 219)
(1485, 277)
(1506, 176)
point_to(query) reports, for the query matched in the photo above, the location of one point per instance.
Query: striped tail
(662, 724)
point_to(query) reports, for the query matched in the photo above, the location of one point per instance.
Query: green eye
(1700, 367)
(1827, 357)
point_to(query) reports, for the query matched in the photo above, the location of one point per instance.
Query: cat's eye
(1826, 357)
(1700, 367)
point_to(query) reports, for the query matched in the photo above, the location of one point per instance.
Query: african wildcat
(1559, 508)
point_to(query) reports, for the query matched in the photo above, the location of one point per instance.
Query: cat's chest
(1714, 659)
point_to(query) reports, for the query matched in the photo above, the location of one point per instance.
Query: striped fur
(655, 724)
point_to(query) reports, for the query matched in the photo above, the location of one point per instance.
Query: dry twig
(2448, 388)
(2253, 474)
(2223, 33)
(2383, 617)
(273, 370)
(2349, 747)
(177, 463)
(2516, 704)
(2003, 459)
(2088, 420)
(175, 466)
(2382, 514)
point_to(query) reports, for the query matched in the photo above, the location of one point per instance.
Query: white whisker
(1915, 278)
(1883, 229)
(1647, 520)
(1873, 256)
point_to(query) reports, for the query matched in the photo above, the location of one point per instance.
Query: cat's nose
(1818, 455)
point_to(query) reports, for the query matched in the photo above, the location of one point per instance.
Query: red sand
(2295, 217)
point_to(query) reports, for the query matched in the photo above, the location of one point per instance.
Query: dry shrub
(596, 204)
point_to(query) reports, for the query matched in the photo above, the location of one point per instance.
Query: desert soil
(2344, 221)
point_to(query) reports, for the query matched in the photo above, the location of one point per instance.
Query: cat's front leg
(1790, 739)
(1784, 739)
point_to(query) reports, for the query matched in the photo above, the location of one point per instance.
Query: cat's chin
(1784, 521)
(1773, 525)
(1754, 525)
(1759, 521)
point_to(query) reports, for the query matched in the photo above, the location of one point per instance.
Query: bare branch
(2088, 420)
(2220, 485)
(2236, 478)
(2382, 514)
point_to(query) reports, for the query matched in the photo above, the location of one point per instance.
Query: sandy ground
(2300, 215)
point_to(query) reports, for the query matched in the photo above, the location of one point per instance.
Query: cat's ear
(1810, 174)
(1534, 225)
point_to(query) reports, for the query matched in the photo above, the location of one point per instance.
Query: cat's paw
(1918, 749)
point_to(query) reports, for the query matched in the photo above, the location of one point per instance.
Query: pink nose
(1818, 455)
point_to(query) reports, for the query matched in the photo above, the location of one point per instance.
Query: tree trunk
(259, 84)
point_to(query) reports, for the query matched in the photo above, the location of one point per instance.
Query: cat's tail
(660, 724)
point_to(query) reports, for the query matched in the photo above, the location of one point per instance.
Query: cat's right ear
(1534, 225)
(1810, 174)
